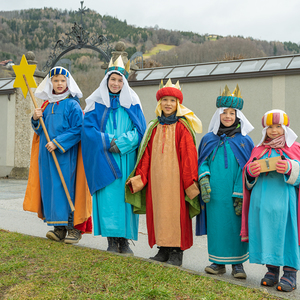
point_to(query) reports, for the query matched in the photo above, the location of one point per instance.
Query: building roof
(7, 85)
(244, 68)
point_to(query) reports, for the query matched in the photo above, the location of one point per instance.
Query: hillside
(38, 30)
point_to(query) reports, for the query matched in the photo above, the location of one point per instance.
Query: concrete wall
(7, 133)
(259, 94)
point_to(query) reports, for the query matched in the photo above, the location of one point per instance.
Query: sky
(271, 20)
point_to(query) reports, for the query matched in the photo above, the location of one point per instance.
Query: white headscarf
(45, 89)
(289, 134)
(127, 97)
(214, 124)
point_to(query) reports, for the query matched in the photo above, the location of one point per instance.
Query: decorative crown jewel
(118, 65)
(229, 100)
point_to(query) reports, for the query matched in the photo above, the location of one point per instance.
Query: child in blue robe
(63, 117)
(223, 152)
(113, 128)
(270, 211)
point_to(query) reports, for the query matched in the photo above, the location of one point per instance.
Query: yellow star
(242, 145)
(28, 71)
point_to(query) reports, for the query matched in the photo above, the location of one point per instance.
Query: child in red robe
(164, 182)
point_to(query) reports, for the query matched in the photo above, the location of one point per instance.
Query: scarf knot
(168, 120)
(114, 104)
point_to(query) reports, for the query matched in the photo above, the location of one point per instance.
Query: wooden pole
(53, 153)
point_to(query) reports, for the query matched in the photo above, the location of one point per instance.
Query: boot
(74, 236)
(288, 282)
(58, 234)
(124, 246)
(271, 277)
(215, 269)
(113, 245)
(175, 256)
(162, 254)
(238, 271)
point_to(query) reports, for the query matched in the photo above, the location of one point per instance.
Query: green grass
(36, 268)
(156, 49)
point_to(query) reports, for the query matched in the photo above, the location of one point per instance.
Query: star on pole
(28, 71)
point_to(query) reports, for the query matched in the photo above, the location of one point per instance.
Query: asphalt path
(195, 259)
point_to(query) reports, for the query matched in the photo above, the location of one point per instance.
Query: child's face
(115, 83)
(59, 83)
(227, 118)
(168, 105)
(274, 131)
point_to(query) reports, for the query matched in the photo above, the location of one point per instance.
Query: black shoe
(162, 254)
(238, 271)
(113, 245)
(58, 234)
(124, 246)
(74, 236)
(215, 269)
(175, 257)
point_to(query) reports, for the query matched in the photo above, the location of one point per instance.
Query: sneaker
(215, 269)
(162, 254)
(238, 271)
(113, 245)
(58, 234)
(175, 257)
(74, 236)
(288, 282)
(124, 246)
(271, 277)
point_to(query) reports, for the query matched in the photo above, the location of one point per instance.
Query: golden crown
(236, 92)
(170, 84)
(118, 65)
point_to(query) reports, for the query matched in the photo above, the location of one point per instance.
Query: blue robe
(107, 172)
(273, 230)
(222, 159)
(63, 121)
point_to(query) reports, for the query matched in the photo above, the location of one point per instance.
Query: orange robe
(169, 168)
(83, 201)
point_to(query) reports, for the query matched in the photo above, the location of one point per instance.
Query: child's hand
(205, 189)
(51, 146)
(238, 206)
(37, 114)
(128, 182)
(281, 166)
(254, 168)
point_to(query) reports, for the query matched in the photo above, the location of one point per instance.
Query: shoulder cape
(241, 147)
(138, 200)
(100, 166)
(292, 152)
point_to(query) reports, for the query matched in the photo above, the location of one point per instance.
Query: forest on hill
(38, 30)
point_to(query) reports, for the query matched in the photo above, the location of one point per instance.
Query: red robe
(186, 153)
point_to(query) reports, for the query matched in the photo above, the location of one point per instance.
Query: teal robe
(223, 225)
(111, 215)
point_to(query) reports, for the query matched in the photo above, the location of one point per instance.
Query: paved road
(13, 218)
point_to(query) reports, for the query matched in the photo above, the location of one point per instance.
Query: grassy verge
(36, 268)
(156, 49)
